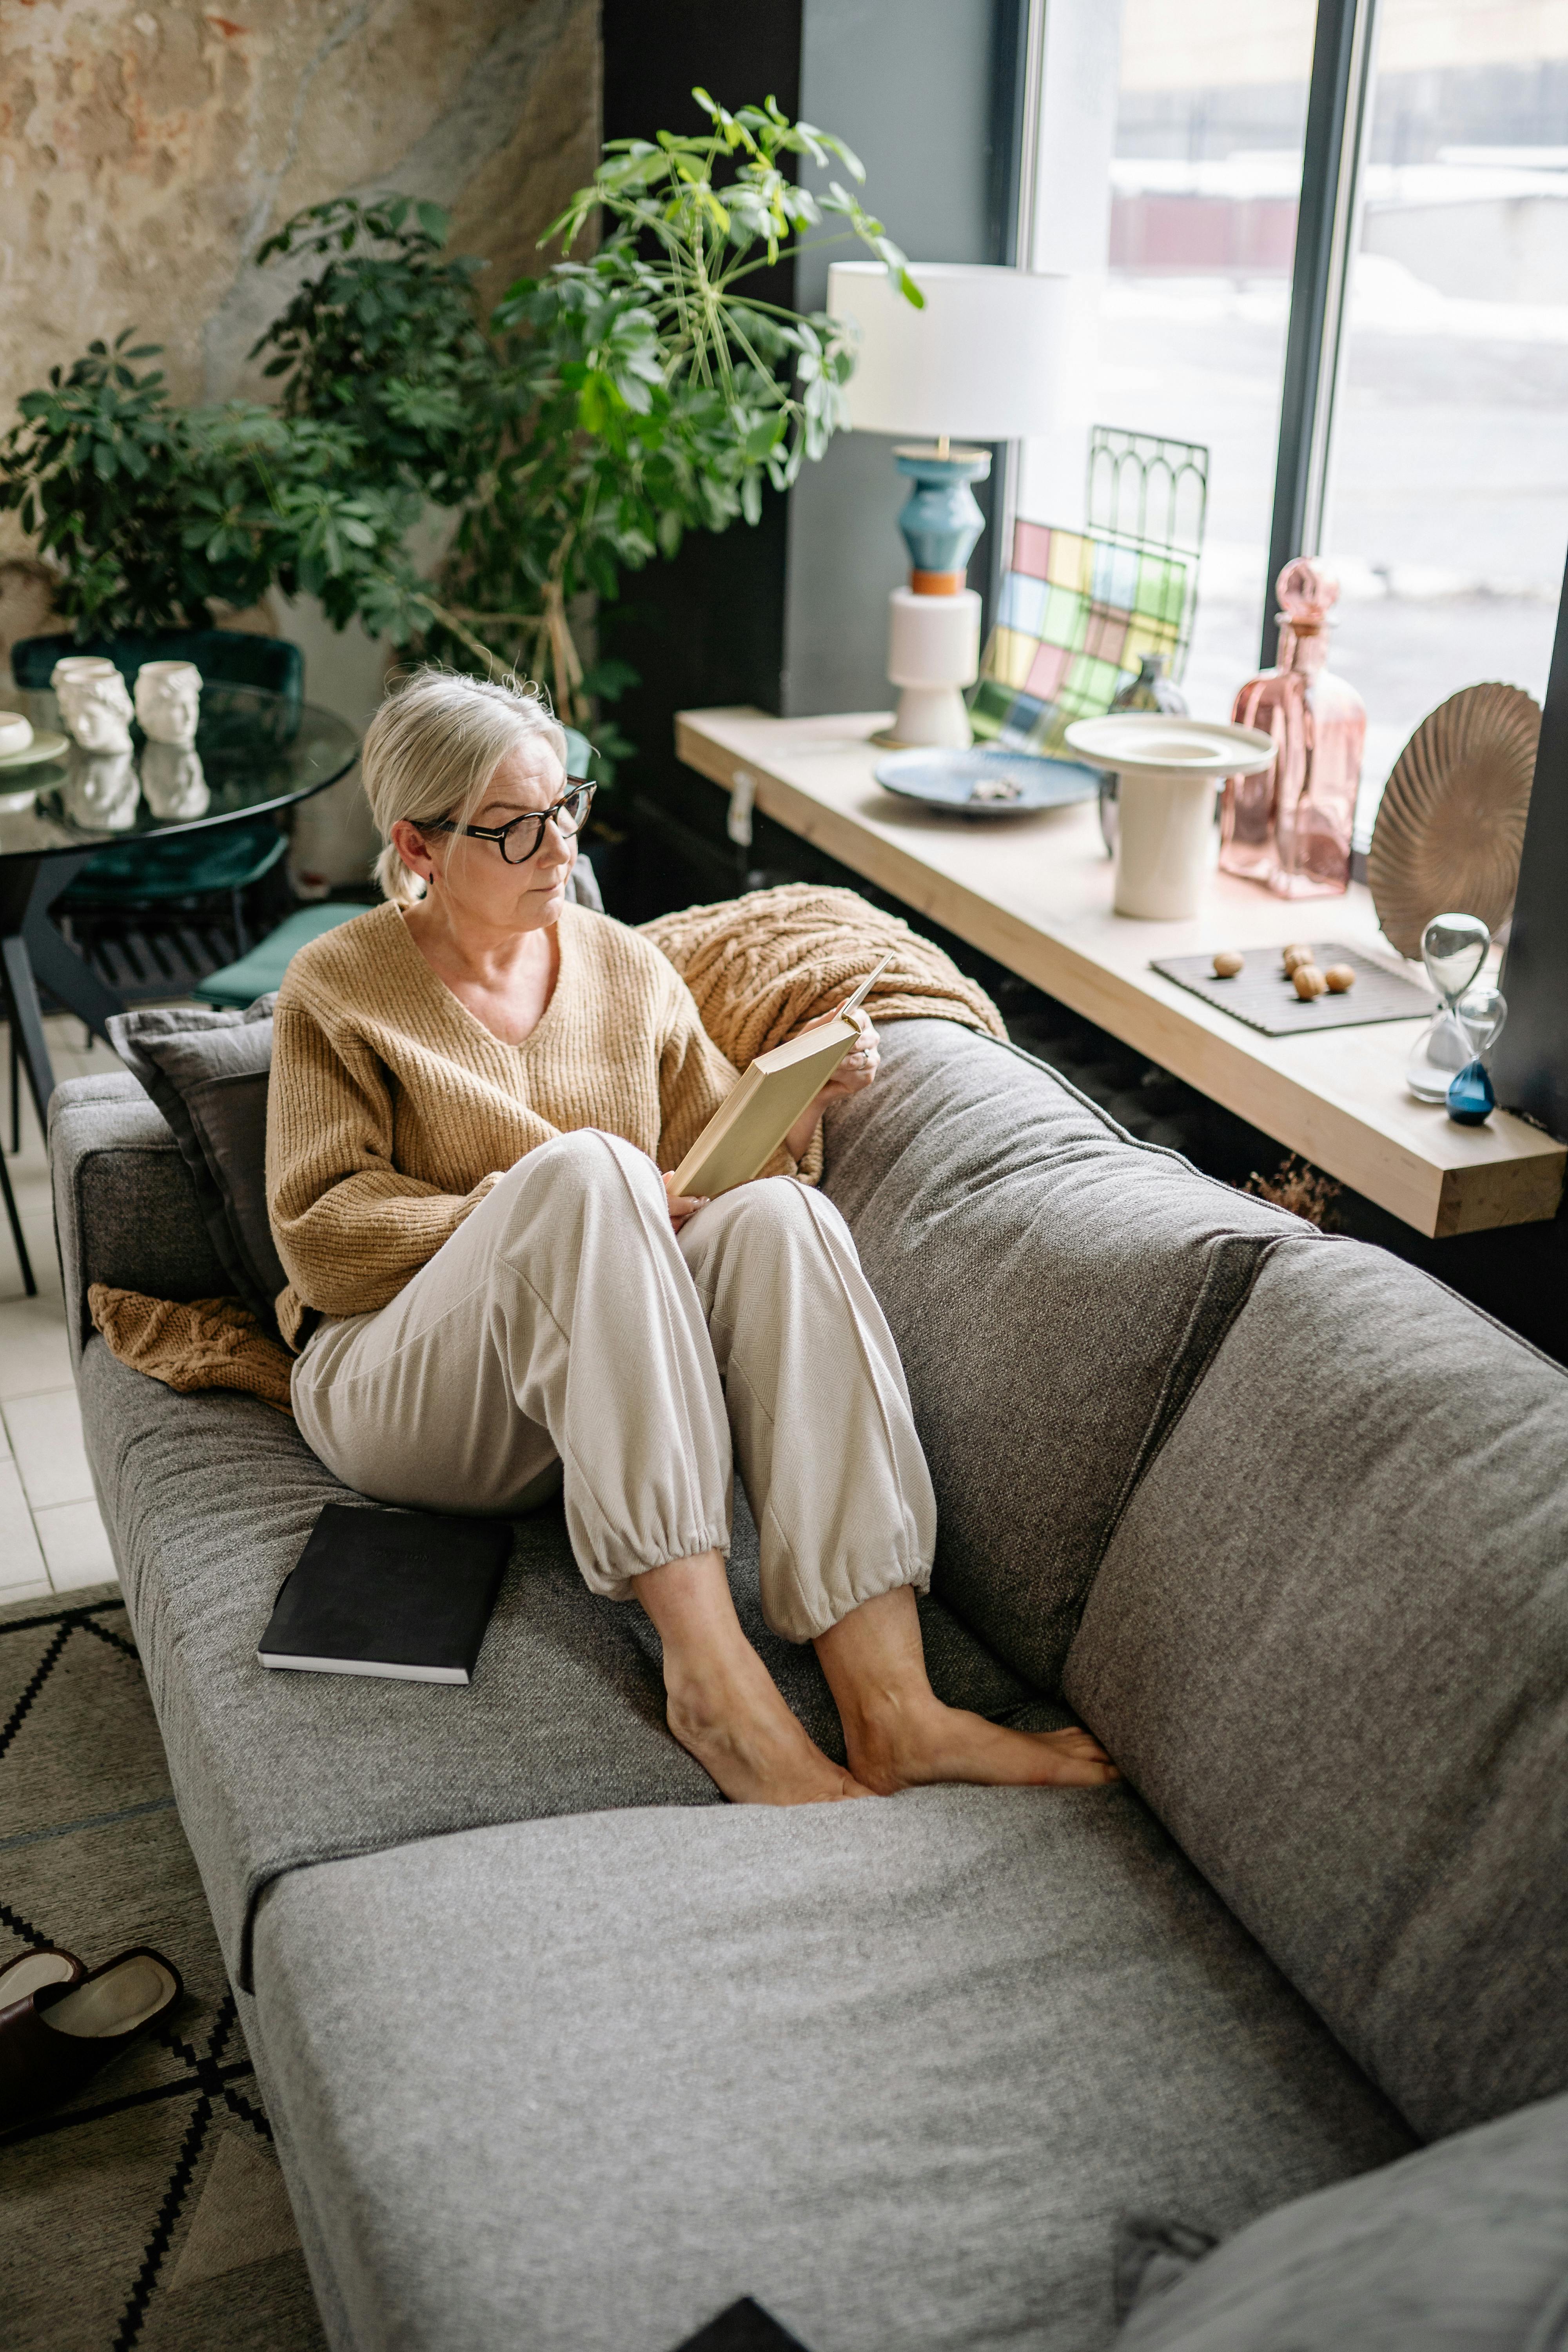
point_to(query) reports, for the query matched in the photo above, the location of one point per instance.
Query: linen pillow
(208, 1071)
(1462, 2248)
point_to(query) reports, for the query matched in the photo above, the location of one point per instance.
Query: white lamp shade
(980, 363)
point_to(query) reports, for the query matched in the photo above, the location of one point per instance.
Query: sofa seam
(1190, 1366)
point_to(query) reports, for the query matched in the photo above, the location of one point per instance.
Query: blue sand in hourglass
(1470, 1098)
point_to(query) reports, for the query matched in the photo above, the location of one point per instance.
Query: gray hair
(432, 747)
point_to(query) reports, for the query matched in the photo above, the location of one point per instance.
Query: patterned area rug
(150, 2210)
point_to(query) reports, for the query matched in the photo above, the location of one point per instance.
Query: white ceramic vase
(1168, 767)
(94, 705)
(168, 701)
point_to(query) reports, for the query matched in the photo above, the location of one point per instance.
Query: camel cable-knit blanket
(758, 967)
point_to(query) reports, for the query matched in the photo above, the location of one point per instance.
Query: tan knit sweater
(392, 1110)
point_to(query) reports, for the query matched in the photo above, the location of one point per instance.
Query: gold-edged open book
(748, 1125)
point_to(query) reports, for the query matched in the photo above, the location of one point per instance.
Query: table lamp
(979, 363)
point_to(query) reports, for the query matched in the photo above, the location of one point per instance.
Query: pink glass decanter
(1291, 827)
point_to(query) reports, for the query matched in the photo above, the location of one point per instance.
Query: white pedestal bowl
(1168, 767)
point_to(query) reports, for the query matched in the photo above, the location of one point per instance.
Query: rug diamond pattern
(150, 2210)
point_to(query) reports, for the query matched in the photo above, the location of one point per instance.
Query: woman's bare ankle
(746, 1739)
(720, 1702)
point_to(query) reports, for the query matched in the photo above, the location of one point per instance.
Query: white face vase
(172, 783)
(168, 697)
(93, 702)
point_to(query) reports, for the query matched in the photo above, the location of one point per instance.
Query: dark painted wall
(707, 627)
(912, 87)
(791, 615)
(1529, 1065)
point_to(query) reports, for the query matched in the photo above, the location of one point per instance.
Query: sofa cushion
(1329, 1643)
(1056, 1289)
(208, 1500)
(894, 2069)
(207, 1072)
(1463, 2248)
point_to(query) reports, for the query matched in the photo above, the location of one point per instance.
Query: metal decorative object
(1150, 493)
(1451, 826)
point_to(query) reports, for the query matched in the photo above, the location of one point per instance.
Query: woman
(474, 1090)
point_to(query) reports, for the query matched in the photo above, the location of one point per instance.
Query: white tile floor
(51, 1536)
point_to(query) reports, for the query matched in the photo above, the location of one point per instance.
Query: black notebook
(403, 1594)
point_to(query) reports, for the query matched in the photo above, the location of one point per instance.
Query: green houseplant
(604, 409)
(652, 389)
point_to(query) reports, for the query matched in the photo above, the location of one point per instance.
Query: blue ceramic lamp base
(933, 624)
(940, 520)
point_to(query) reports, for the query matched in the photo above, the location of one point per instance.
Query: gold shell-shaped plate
(1451, 825)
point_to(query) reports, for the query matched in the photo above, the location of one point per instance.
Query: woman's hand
(680, 1205)
(855, 1073)
(856, 1070)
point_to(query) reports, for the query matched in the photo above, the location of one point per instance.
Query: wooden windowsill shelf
(1035, 893)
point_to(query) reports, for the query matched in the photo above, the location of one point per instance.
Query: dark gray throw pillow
(1461, 2248)
(207, 1072)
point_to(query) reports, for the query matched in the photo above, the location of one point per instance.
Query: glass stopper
(1307, 590)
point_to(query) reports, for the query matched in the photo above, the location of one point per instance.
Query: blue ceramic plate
(986, 783)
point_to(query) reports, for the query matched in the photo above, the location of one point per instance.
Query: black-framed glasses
(519, 841)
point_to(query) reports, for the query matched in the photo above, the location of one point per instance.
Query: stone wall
(146, 151)
(148, 146)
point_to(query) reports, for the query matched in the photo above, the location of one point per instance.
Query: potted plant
(606, 408)
(148, 512)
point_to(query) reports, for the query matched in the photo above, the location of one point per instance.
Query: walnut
(1340, 976)
(1308, 982)
(1228, 963)
(1291, 957)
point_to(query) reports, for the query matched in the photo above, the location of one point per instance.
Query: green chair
(260, 971)
(230, 657)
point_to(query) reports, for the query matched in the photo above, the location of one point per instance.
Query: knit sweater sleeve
(694, 1079)
(350, 1228)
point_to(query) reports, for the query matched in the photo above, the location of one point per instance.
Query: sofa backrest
(1329, 1644)
(1056, 1289)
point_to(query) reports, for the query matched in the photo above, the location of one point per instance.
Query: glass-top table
(254, 753)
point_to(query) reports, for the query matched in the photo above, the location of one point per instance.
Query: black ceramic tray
(1260, 994)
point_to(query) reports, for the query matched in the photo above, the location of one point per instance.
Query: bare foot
(903, 1747)
(734, 1722)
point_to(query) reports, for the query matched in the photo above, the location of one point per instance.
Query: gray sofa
(564, 2054)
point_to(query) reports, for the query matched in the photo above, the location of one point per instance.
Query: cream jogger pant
(567, 1320)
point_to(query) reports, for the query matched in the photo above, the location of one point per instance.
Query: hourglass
(1453, 947)
(1481, 1014)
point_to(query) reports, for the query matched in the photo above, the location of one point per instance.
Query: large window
(1448, 514)
(1445, 509)
(1204, 177)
